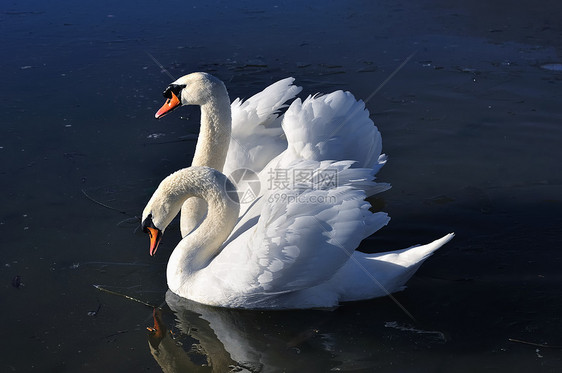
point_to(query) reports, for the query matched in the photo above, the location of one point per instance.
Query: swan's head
(198, 181)
(159, 212)
(154, 233)
(193, 89)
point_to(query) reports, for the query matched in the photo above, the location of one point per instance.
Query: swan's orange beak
(155, 235)
(170, 105)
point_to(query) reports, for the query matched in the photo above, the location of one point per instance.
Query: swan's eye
(147, 223)
(173, 88)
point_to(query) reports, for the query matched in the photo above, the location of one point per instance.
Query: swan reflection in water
(236, 340)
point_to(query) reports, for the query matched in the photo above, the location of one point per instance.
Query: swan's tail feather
(368, 276)
(415, 255)
(412, 256)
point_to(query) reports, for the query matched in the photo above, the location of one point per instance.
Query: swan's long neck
(212, 145)
(198, 249)
(214, 134)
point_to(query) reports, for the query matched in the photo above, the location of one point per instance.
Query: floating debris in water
(541, 345)
(94, 313)
(539, 353)
(467, 70)
(437, 334)
(17, 282)
(155, 135)
(552, 66)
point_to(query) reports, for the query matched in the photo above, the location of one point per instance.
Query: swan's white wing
(303, 236)
(257, 136)
(332, 127)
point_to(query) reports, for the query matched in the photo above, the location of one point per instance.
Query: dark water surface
(472, 125)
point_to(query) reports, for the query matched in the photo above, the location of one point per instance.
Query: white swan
(294, 247)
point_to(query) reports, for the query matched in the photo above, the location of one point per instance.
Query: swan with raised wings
(294, 246)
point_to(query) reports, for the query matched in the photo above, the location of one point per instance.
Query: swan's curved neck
(214, 134)
(198, 249)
